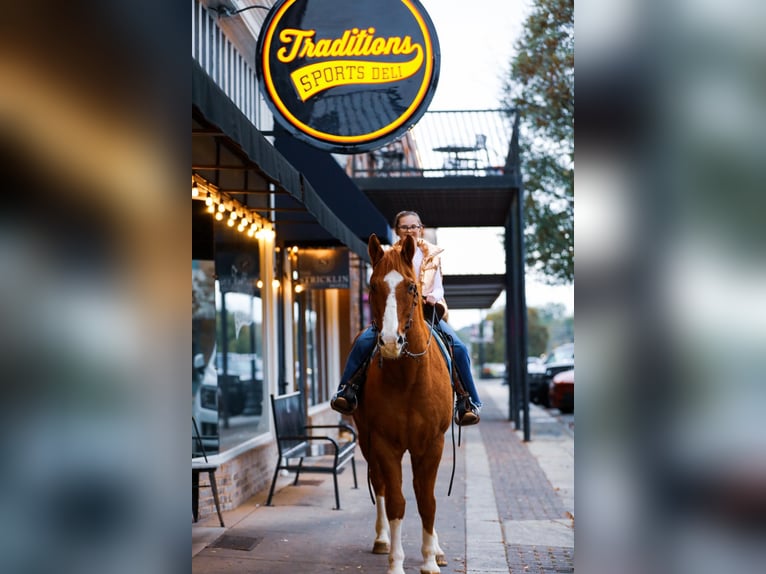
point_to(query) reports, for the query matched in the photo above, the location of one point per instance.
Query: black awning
(335, 187)
(473, 291)
(230, 151)
(456, 201)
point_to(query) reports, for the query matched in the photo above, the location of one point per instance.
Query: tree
(494, 352)
(541, 88)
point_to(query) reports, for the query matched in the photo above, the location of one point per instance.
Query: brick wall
(251, 472)
(239, 479)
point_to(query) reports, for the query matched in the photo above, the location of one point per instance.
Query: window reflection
(239, 365)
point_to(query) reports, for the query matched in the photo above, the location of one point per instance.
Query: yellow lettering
(354, 42)
(294, 37)
(323, 49)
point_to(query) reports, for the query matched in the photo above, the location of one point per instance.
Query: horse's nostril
(380, 340)
(400, 340)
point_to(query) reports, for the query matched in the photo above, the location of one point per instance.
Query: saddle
(432, 315)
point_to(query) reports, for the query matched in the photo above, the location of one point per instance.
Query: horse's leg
(382, 543)
(391, 468)
(425, 467)
(382, 529)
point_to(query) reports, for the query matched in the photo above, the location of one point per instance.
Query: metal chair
(210, 468)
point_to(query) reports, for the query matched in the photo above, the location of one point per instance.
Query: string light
(220, 204)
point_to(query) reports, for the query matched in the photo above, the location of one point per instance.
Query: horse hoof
(441, 560)
(381, 548)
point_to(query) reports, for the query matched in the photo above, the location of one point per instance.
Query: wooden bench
(324, 454)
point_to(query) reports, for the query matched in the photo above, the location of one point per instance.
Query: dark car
(561, 391)
(561, 359)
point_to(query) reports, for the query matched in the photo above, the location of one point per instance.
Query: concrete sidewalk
(511, 510)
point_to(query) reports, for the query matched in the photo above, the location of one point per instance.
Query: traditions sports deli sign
(348, 76)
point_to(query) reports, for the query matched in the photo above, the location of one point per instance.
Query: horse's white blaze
(382, 529)
(430, 549)
(396, 556)
(390, 328)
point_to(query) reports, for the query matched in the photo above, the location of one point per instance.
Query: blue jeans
(365, 344)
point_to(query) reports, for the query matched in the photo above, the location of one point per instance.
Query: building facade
(278, 261)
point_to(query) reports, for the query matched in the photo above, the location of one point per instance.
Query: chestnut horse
(407, 405)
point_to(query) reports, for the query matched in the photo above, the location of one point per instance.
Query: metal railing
(474, 143)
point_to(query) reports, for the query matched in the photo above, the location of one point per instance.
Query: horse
(406, 406)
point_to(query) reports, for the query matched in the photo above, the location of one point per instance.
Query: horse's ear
(374, 249)
(408, 249)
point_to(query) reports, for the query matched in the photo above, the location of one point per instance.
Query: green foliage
(541, 88)
(538, 328)
(537, 333)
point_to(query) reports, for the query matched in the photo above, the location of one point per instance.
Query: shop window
(239, 360)
(204, 375)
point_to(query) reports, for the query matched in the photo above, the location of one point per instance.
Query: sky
(476, 42)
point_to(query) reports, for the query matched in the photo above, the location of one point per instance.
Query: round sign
(348, 76)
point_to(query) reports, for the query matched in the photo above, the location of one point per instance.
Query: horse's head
(394, 298)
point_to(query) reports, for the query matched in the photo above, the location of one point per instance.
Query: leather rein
(412, 289)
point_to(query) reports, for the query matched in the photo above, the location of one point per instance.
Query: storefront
(278, 268)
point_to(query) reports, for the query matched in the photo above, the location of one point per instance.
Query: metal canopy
(472, 291)
(451, 201)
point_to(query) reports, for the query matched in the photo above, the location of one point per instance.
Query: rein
(412, 289)
(428, 343)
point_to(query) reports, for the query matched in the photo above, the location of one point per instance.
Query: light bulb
(275, 283)
(219, 216)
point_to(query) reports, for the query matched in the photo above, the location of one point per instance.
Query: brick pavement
(508, 512)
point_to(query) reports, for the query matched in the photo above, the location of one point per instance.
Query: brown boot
(467, 413)
(345, 401)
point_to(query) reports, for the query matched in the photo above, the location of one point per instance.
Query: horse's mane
(394, 258)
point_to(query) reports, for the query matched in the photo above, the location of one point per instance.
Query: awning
(456, 201)
(231, 153)
(334, 186)
(472, 291)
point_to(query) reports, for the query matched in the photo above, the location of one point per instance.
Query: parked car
(241, 384)
(493, 370)
(560, 359)
(561, 391)
(205, 405)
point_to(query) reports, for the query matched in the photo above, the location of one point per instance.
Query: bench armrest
(304, 437)
(342, 426)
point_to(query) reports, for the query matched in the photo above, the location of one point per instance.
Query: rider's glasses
(409, 227)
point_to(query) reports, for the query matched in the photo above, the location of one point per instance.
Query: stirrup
(345, 400)
(466, 413)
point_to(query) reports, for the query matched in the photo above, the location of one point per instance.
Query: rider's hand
(431, 300)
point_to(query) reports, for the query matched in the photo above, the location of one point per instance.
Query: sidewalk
(511, 510)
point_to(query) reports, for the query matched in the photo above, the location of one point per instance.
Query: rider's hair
(405, 214)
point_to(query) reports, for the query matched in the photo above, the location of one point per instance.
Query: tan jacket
(429, 268)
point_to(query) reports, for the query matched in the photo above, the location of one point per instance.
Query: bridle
(412, 289)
